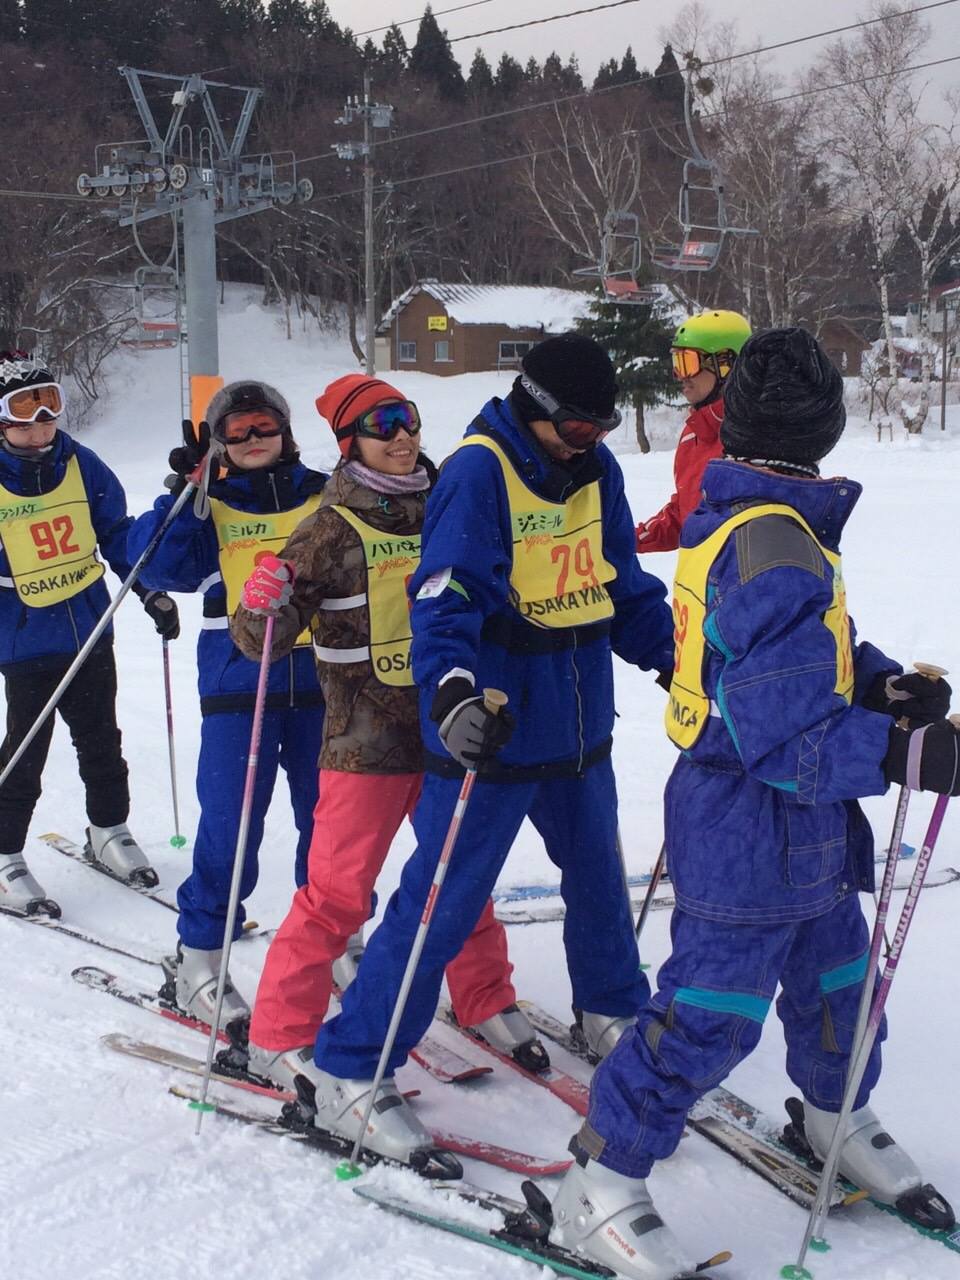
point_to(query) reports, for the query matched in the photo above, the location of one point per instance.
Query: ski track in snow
(106, 1179)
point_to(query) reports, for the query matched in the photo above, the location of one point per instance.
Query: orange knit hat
(349, 398)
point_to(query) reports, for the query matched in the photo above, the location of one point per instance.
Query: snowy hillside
(103, 1175)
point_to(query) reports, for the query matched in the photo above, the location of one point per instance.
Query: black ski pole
(655, 877)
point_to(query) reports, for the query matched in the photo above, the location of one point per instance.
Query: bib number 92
(53, 537)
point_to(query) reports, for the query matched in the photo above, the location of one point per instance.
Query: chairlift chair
(151, 333)
(620, 260)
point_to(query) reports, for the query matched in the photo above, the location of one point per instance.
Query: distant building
(472, 328)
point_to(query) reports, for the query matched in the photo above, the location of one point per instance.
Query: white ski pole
(98, 630)
(200, 1105)
(493, 700)
(177, 840)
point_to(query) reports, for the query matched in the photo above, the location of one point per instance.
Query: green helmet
(713, 332)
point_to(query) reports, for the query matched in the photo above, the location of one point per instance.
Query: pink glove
(269, 587)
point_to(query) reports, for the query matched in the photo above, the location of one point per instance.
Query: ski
(70, 849)
(48, 922)
(509, 913)
(533, 892)
(523, 1234)
(565, 1087)
(780, 1168)
(487, 1152)
(437, 1060)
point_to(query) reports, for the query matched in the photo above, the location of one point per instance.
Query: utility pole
(375, 115)
(195, 174)
(946, 300)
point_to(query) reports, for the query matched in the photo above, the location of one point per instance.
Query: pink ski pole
(201, 1105)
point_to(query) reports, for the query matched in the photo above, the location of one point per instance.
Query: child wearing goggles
(704, 349)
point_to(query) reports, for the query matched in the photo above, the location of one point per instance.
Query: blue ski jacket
(33, 635)
(559, 681)
(762, 824)
(187, 560)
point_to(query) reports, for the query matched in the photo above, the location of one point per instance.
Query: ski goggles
(575, 427)
(21, 407)
(688, 362)
(383, 421)
(228, 432)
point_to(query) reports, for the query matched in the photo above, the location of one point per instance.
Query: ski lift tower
(195, 175)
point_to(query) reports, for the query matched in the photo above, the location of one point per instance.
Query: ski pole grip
(930, 670)
(493, 700)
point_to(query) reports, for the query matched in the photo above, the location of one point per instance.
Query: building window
(441, 351)
(408, 352)
(511, 352)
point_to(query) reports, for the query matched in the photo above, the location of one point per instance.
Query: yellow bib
(50, 541)
(391, 563)
(689, 707)
(558, 574)
(244, 536)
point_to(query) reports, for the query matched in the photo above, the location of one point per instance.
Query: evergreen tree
(628, 68)
(431, 59)
(395, 55)
(480, 79)
(668, 82)
(509, 78)
(606, 74)
(553, 73)
(638, 343)
(241, 17)
(289, 15)
(531, 72)
(9, 21)
(573, 80)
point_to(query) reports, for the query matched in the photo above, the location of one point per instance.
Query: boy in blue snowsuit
(265, 493)
(783, 720)
(60, 509)
(528, 582)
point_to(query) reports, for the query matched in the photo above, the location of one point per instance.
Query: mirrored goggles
(575, 427)
(228, 432)
(27, 404)
(687, 363)
(384, 421)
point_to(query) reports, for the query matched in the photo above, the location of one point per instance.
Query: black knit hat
(575, 370)
(783, 400)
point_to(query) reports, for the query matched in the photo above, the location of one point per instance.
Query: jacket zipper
(576, 689)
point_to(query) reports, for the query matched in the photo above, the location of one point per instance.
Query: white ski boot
(281, 1066)
(345, 966)
(873, 1161)
(599, 1032)
(191, 986)
(114, 850)
(510, 1032)
(611, 1219)
(20, 893)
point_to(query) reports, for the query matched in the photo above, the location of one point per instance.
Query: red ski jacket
(699, 442)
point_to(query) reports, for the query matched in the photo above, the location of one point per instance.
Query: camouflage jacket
(369, 727)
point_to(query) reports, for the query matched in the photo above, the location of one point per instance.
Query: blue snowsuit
(766, 843)
(187, 560)
(37, 646)
(555, 769)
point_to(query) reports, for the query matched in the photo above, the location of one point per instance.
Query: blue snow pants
(577, 818)
(712, 997)
(291, 739)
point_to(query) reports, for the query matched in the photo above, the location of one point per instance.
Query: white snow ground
(103, 1175)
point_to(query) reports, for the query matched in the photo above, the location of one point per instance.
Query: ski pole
(655, 878)
(177, 840)
(493, 700)
(98, 630)
(860, 1052)
(201, 1105)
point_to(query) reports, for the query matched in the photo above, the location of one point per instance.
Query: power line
(536, 22)
(629, 84)
(711, 115)
(407, 22)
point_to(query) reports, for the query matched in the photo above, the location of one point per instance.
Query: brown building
(472, 328)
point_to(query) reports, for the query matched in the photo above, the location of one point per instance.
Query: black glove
(912, 696)
(163, 612)
(472, 734)
(664, 679)
(185, 459)
(935, 763)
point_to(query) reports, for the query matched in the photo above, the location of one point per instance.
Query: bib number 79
(582, 558)
(52, 537)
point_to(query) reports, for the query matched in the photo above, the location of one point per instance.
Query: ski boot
(611, 1219)
(20, 893)
(335, 1105)
(597, 1033)
(280, 1066)
(114, 850)
(190, 985)
(870, 1159)
(345, 966)
(510, 1032)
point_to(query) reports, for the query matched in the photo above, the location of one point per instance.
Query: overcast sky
(596, 37)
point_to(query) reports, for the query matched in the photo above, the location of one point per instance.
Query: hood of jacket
(276, 488)
(555, 481)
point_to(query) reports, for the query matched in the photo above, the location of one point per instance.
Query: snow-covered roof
(518, 306)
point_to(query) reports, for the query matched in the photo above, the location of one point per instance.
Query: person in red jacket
(704, 349)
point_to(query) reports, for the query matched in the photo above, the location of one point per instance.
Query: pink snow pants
(355, 820)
